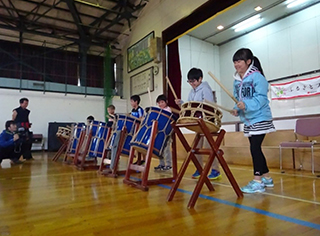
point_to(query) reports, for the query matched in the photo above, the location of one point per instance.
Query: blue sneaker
(253, 187)
(267, 182)
(214, 175)
(196, 175)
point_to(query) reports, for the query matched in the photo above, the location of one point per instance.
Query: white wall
(286, 47)
(197, 53)
(51, 107)
(156, 16)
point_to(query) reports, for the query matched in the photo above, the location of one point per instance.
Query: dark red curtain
(174, 72)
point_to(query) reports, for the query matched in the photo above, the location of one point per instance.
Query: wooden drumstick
(171, 87)
(174, 110)
(216, 105)
(224, 88)
(150, 99)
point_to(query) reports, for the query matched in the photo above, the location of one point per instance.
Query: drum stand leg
(68, 155)
(174, 157)
(61, 150)
(190, 156)
(219, 154)
(80, 155)
(213, 152)
(105, 152)
(114, 172)
(144, 182)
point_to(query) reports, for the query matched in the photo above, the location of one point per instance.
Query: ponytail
(257, 64)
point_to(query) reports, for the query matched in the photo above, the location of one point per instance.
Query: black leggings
(259, 161)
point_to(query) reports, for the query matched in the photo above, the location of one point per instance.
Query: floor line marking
(252, 209)
(266, 193)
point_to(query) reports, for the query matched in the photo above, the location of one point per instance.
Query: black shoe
(16, 162)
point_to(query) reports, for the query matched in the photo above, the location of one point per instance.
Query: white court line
(277, 173)
(266, 193)
(271, 172)
(38, 176)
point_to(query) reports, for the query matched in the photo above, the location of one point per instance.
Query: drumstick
(150, 100)
(216, 105)
(171, 87)
(174, 110)
(224, 88)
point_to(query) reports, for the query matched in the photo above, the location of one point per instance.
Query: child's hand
(178, 101)
(234, 112)
(241, 105)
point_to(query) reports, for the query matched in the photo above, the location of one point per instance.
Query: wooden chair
(307, 127)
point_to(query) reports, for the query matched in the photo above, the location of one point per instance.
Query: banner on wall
(297, 88)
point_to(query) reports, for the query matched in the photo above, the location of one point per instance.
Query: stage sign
(297, 88)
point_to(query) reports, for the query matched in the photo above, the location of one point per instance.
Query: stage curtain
(174, 72)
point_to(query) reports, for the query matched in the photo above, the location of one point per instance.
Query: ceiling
(92, 24)
(272, 10)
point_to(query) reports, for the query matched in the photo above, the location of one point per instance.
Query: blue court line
(252, 209)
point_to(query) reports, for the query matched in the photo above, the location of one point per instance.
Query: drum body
(142, 138)
(63, 132)
(121, 121)
(75, 136)
(191, 111)
(99, 131)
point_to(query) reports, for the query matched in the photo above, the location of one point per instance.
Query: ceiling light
(258, 8)
(220, 27)
(247, 23)
(295, 3)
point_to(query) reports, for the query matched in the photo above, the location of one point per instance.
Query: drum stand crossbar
(145, 182)
(192, 150)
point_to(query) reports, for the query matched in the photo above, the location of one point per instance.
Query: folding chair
(308, 127)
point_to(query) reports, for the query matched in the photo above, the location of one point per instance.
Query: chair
(308, 127)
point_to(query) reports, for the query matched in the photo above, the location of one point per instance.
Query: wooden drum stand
(213, 152)
(145, 182)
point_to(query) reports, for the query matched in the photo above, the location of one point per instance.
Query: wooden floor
(42, 197)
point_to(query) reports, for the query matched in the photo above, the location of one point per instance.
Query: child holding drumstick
(201, 91)
(137, 112)
(250, 89)
(166, 161)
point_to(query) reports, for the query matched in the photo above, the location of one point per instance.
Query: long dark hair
(246, 54)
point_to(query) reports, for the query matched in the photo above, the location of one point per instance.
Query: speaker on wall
(155, 49)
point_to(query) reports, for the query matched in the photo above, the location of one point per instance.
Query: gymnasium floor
(42, 197)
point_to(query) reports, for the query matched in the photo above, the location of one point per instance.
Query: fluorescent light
(295, 3)
(247, 23)
(258, 8)
(220, 27)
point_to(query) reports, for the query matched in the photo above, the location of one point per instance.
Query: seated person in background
(166, 161)
(89, 120)
(10, 143)
(111, 111)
